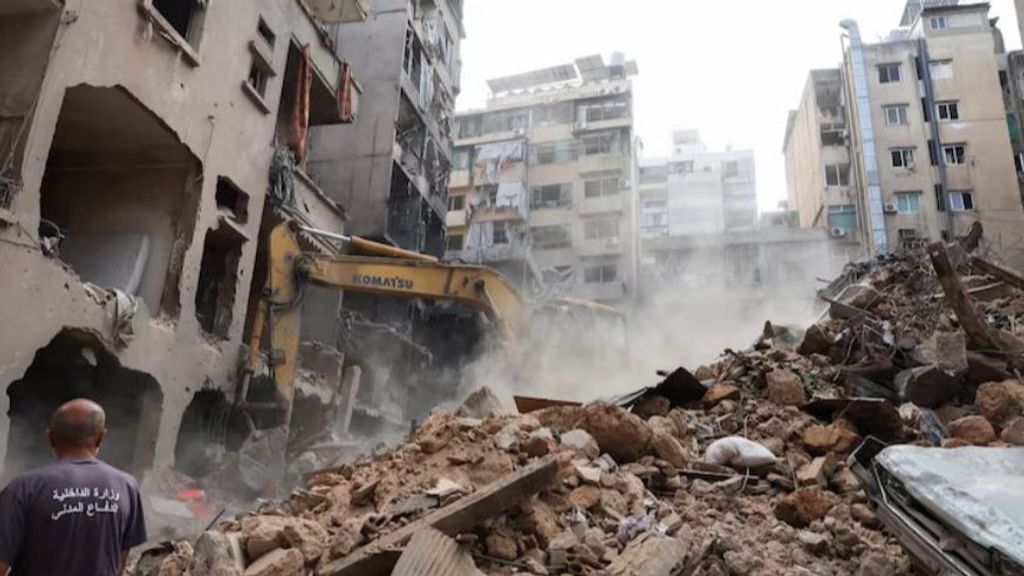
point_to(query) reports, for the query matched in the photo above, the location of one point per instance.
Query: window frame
(907, 202)
(943, 64)
(959, 200)
(936, 19)
(951, 109)
(603, 185)
(560, 243)
(594, 230)
(840, 181)
(956, 152)
(906, 156)
(885, 75)
(903, 114)
(565, 191)
(188, 47)
(602, 269)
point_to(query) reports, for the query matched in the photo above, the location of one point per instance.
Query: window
(941, 69)
(232, 199)
(552, 115)
(833, 134)
(500, 234)
(260, 71)
(258, 77)
(654, 218)
(902, 157)
(938, 23)
(895, 115)
(731, 168)
(933, 154)
(456, 242)
(954, 154)
(947, 111)
(460, 159)
(184, 16)
(684, 167)
(961, 201)
(909, 238)
(940, 198)
(908, 202)
(600, 144)
(551, 237)
(843, 217)
(602, 110)
(602, 188)
(837, 175)
(551, 196)
(1018, 161)
(603, 274)
(266, 33)
(510, 121)
(601, 229)
(888, 73)
(456, 203)
(554, 153)
(925, 111)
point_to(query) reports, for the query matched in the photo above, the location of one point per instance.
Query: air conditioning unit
(891, 208)
(838, 233)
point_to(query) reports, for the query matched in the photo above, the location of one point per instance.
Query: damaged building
(146, 148)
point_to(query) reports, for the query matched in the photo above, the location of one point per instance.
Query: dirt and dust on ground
(737, 467)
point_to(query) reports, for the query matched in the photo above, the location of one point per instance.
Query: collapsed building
(146, 148)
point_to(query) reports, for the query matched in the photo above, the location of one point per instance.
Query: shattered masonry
(741, 467)
(133, 174)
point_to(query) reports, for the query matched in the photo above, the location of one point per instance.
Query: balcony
(603, 163)
(456, 219)
(511, 252)
(460, 179)
(605, 292)
(582, 126)
(603, 205)
(600, 247)
(314, 207)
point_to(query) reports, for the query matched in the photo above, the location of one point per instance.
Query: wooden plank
(379, 557)
(960, 301)
(1007, 275)
(431, 553)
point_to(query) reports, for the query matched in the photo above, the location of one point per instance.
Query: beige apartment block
(137, 141)
(924, 124)
(543, 181)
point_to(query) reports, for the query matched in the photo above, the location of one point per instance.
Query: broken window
(602, 274)
(218, 279)
(947, 111)
(602, 188)
(837, 175)
(551, 237)
(106, 149)
(601, 230)
(551, 196)
(902, 157)
(232, 201)
(888, 73)
(954, 154)
(76, 365)
(895, 115)
(184, 16)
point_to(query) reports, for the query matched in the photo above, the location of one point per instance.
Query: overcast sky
(730, 68)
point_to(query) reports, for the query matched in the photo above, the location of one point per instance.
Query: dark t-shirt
(73, 517)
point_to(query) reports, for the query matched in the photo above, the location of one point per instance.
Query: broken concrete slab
(431, 553)
(785, 388)
(619, 433)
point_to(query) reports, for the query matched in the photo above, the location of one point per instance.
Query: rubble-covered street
(740, 467)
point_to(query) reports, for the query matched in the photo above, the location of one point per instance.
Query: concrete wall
(202, 103)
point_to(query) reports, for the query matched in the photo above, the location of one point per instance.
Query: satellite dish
(339, 11)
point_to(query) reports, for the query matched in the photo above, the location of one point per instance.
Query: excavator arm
(403, 275)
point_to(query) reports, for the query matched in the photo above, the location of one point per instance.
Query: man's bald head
(77, 425)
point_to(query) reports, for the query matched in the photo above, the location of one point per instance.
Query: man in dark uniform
(78, 516)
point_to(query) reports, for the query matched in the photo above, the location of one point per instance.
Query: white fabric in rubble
(738, 451)
(978, 491)
(125, 308)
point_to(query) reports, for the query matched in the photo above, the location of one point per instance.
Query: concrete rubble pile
(739, 467)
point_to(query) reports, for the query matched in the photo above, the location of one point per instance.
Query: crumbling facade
(543, 185)
(924, 125)
(137, 141)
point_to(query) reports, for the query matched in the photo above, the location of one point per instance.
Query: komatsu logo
(382, 282)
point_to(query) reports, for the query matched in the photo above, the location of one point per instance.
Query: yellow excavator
(385, 271)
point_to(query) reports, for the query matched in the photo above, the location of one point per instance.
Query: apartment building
(543, 181)
(925, 129)
(391, 168)
(137, 141)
